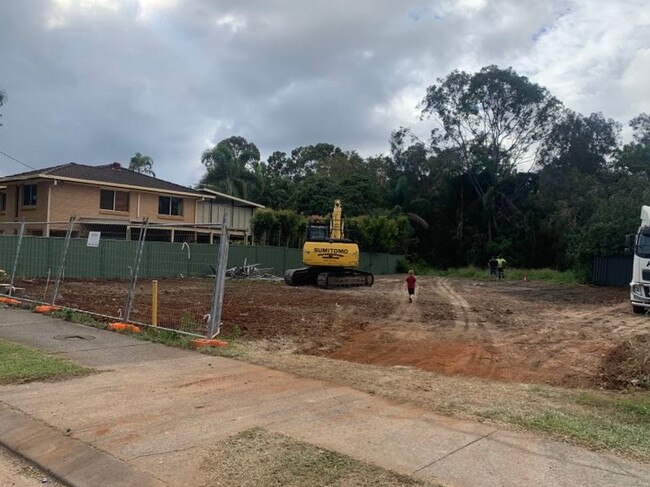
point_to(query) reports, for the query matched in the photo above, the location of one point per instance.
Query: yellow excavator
(331, 260)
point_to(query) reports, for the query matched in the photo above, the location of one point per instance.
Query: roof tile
(108, 173)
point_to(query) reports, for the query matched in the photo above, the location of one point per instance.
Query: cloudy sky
(94, 81)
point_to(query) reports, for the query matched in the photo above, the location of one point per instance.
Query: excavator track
(328, 279)
(305, 276)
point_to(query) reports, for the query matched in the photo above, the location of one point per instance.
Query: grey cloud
(104, 83)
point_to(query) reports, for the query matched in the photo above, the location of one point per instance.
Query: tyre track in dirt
(404, 338)
(465, 318)
(554, 334)
(473, 338)
(536, 351)
(474, 333)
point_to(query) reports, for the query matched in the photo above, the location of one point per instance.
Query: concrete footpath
(153, 413)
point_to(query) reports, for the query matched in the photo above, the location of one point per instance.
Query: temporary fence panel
(104, 268)
(175, 282)
(98, 268)
(24, 254)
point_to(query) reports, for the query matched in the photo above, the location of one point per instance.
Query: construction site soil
(502, 330)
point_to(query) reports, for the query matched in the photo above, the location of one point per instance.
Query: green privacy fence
(113, 259)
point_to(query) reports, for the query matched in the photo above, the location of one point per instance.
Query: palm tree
(224, 173)
(142, 164)
(228, 165)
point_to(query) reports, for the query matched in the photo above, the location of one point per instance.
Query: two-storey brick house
(111, 196)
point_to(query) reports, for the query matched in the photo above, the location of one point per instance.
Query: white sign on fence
(93, 239)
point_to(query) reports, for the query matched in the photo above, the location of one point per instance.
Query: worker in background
(501, 265)
(493, 264)
(410, 285)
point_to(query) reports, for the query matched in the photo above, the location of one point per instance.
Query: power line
(19, 162)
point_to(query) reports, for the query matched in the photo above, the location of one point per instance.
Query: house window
(168, 205)
(29, 194)
(114, 200)
(3, 201)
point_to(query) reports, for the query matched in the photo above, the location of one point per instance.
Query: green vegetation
(598, 420)
(384, 231)
(461, 195)
(471, 272)
(142, 164)
(166, 337)
(188, 323)
(235, 349)
(21, 364)
(258, 457)
(78, 317)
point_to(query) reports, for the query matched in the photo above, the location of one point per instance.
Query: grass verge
(78, 317)
(258, 457)
(234, 349)
(20, 364)
(615, 422)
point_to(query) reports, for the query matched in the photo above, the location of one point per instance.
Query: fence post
(136, 268)
(13, 271)
(154, 303)
(59, 275)
(219, 281)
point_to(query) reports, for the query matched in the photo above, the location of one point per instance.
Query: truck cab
(639, 244)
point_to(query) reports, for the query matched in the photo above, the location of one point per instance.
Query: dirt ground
(501, 330)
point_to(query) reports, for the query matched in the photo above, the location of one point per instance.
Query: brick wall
(149, 208)
(67, 199)
(34, 213)
(83, 201)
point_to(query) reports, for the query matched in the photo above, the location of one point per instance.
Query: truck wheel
(638, 309)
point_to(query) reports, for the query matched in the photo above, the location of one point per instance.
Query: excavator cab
(321, 233)
(317, 233)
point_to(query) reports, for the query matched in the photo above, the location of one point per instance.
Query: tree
(641, 127)
(492, 118)
(634, 158)
(381, 233)
(496, 110)
(229, 165)
(579, 142)
(264, 223)
(142, 164)
(267, 188)
(282, 228)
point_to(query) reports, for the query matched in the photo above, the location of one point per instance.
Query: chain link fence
(168, 275)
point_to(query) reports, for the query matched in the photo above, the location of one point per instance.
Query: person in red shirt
(410, 285)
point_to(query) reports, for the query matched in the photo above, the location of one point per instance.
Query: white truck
(639, 245)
